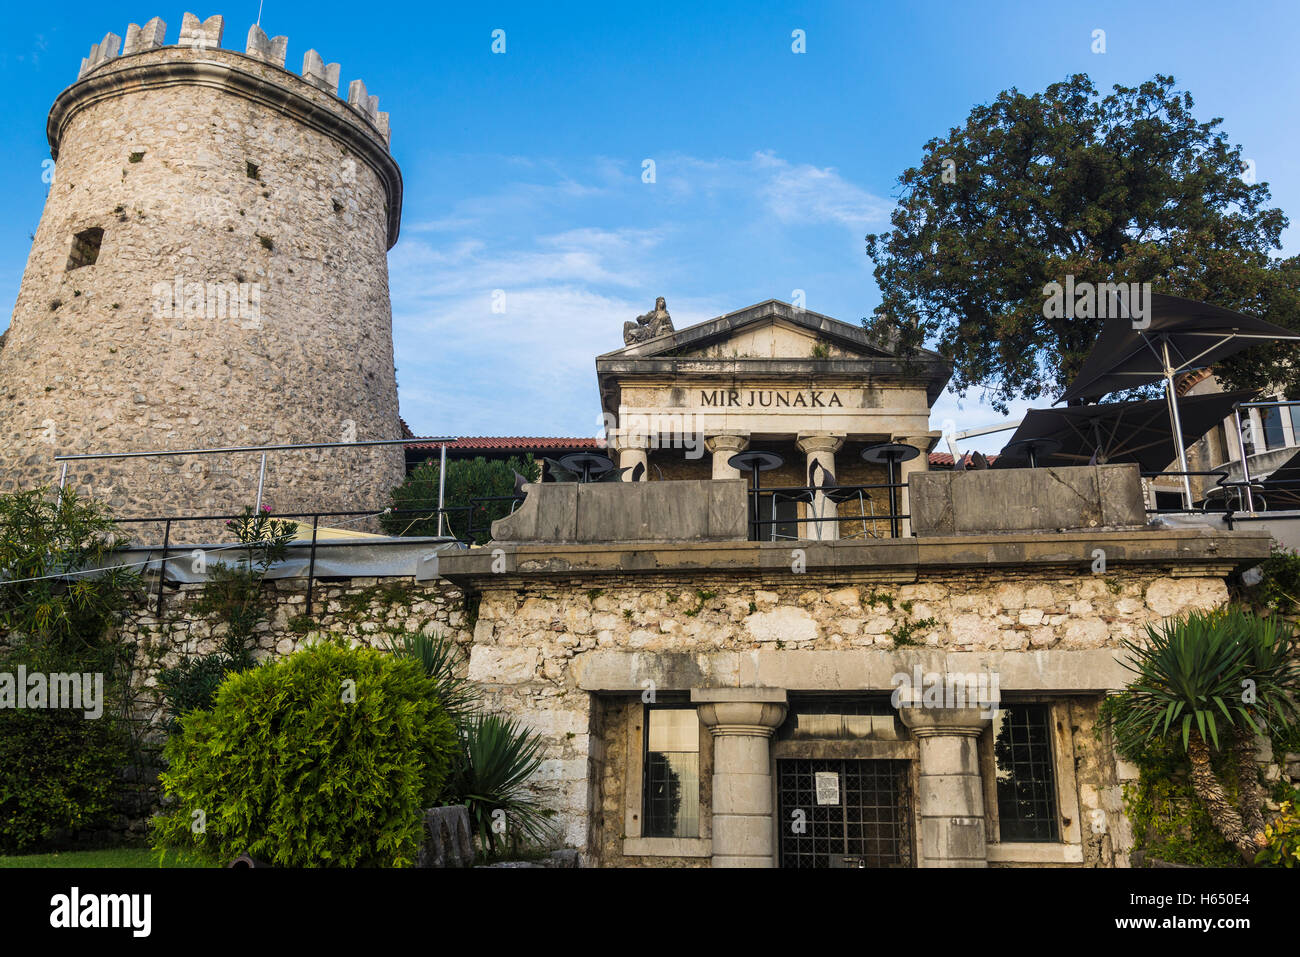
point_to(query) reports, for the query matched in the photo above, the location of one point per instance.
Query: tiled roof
(521, 443)
(514, 443)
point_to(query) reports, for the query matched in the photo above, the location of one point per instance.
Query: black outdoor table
(586, 464)
(891, 454)
(755, 462)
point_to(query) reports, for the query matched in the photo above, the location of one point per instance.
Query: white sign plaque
(828, 787)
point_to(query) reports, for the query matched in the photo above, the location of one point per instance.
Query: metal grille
(1026, 781)
(870, 826)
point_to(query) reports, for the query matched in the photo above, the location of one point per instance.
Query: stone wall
(359, 608)
(205, 166)
(530, 640)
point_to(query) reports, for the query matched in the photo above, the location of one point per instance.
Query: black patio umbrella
(1116, 431)
(1179, 335)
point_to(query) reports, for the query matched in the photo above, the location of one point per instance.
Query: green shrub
(60, 772)
(1168, 821)
(325, 758)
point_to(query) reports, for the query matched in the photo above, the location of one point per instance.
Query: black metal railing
(873, 510)
(476, 509)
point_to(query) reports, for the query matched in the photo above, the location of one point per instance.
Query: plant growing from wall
(1205, 685)
(325, 758)
(234, 596)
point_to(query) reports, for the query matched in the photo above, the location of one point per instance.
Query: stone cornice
(1179, 552)
(237, 75)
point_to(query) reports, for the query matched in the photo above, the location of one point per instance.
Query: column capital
(925, 441)
(749, 712)
(622, 442)
(930, 722)
(727, 442)
(812, 442)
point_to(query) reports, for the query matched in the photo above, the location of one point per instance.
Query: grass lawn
(107, 857)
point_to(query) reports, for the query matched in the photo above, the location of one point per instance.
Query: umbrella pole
(1172, 398)
(1245, 466)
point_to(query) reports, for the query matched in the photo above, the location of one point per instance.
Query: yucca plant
(497, 754)
(441, 660)
(1208, 683)
(500, 755)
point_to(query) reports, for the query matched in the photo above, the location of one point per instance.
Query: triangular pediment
(768, 330)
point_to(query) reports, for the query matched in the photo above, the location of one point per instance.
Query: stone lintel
(762, 695)
(1085, 671)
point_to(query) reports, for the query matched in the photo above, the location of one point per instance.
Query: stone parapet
(1020, 500)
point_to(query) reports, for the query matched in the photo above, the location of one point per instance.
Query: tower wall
(239, 293)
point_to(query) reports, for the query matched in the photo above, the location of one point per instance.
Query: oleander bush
(325, 758)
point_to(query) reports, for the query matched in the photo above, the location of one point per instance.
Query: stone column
(919, 464)
(820, 447)
(724, 447)
(631, 453)
(742, 721)
(950, 794)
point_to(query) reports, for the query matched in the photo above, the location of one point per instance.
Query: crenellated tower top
(206, 35)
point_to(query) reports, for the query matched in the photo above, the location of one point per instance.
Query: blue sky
(523, 170)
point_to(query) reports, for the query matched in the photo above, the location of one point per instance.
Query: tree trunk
(1225, 817)
(1252, 814)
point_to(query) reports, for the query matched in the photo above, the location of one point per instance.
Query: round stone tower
(210, 270)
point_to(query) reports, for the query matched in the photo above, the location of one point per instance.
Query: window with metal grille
(1026, 778)
(671, 789)
(844, 813)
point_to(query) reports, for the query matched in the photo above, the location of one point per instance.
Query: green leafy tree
(467, 479)
(1127, 187)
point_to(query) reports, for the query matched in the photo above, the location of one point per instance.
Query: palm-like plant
(441, 661)
(500, 755)
(1209, 683)
(497, 757)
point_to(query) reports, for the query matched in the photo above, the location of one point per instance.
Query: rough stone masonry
(210, 270)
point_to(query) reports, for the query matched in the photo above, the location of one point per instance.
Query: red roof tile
(513, 443)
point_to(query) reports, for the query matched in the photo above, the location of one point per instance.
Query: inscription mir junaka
(771, 398)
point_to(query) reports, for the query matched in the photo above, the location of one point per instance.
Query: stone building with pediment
(730, 677)
(804, 386)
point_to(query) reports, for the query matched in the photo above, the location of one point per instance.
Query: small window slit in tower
(85, 248)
